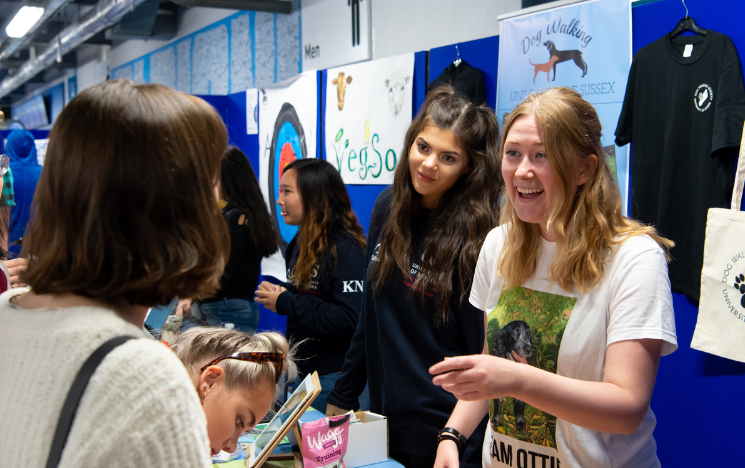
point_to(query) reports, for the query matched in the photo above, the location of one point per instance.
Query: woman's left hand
(477, 377)
(15, 267)
(267, 295)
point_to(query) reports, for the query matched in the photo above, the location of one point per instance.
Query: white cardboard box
(368, 440)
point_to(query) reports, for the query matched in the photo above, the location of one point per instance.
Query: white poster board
(252, 111)
(288, 116)
(368, 110)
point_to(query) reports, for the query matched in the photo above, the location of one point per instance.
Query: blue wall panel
(56, 97)
(72, 87)
(242, 51)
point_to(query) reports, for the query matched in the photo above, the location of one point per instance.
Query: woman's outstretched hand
(477, 377)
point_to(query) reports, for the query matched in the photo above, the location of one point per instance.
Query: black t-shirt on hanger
(465, 79)
(684, 115)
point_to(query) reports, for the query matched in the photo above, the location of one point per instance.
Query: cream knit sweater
(140, 408)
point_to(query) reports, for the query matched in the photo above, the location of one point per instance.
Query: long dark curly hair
(464, 215)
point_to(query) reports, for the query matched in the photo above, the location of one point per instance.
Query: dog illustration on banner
(544, 67)
(563, 56)
(341, 88)
(396, 85)
(514, 342)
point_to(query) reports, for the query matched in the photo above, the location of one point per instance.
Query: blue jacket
(21, 149)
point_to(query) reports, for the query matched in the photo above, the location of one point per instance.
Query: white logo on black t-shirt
(702, 97)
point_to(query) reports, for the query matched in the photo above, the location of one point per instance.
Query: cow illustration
(341, 88)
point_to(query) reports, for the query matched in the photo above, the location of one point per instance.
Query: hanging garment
(683, 111)
(464, 79)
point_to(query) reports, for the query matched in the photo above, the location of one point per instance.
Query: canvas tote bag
(720, 328)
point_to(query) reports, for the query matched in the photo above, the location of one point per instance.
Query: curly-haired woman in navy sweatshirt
(325, 269)
(425, 235)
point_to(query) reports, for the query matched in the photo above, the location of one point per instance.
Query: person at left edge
(21, 149)
(325, 270)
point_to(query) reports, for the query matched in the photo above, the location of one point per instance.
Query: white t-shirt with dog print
(567, 333)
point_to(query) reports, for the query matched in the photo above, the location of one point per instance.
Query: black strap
(76, 393)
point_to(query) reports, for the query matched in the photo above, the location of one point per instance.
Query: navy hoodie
(323, 317)
(396, 342)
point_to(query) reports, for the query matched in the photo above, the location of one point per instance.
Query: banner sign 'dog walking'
(368, 110)
(584, 46)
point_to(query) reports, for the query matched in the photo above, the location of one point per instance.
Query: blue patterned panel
(124, 73)
(183, 65)
(264, 49)
(163, 67)
(242, 51)
(139, 71)
(241, 57)
(209, 71)
(288, 39)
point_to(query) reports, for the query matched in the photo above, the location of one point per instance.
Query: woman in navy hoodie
(325, 269)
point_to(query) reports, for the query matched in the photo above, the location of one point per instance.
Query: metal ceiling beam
(106, 13)
(49, 9)
(272, 6)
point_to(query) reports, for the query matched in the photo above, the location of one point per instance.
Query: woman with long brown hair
(424, 239)
(325, 269)
(578, 301)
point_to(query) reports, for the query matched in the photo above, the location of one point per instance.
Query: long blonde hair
(200, 345)
(586, 220)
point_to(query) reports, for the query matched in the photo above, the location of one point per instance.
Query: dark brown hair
(238, 185)
(125, 206)
(326, 211)
(464, 215)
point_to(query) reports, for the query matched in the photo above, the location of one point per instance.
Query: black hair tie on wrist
(448, 433)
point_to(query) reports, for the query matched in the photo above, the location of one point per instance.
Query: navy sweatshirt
(396, 342)
(323, 318)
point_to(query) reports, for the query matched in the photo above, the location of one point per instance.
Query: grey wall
(400, 26)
